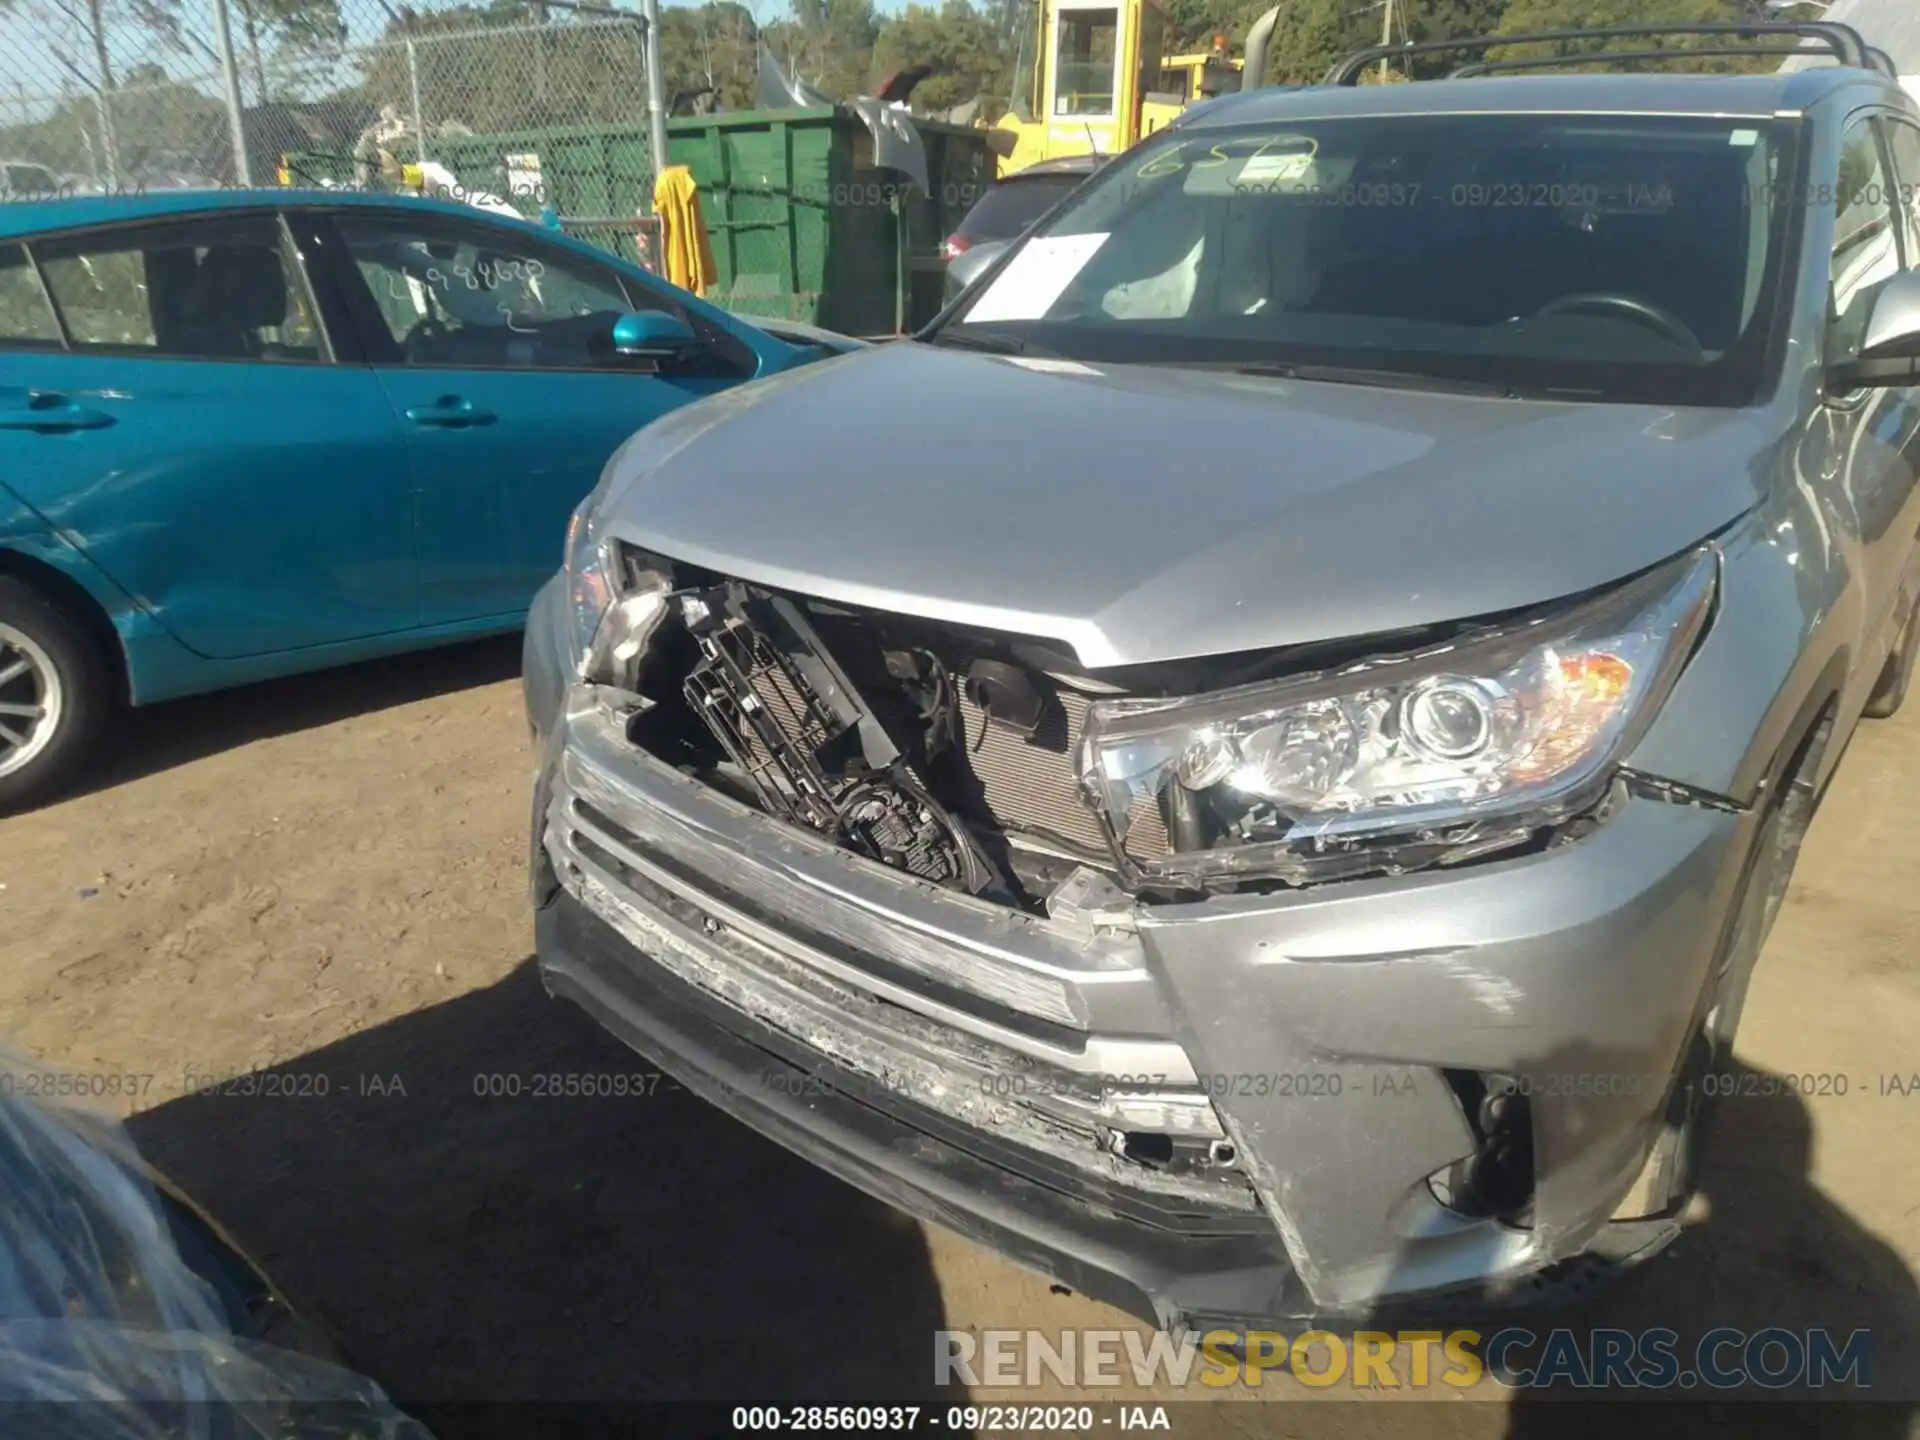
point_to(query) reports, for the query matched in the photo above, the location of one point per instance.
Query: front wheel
(54, 696)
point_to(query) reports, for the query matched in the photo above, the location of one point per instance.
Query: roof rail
(1692, 52)
(1843, 42)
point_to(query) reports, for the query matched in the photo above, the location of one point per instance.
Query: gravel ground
(323, 879)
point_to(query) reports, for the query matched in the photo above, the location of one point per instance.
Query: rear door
(494, 346)
(178, 414)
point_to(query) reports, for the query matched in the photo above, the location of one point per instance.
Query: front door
(1871, 440)
(495, 348)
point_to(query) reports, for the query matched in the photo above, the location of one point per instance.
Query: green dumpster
(803, 225)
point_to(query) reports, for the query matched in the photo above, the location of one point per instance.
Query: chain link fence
(537, 102)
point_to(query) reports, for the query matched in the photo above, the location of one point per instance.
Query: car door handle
(52, 414)
(450, 412)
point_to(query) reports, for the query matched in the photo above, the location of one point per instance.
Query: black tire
(37, 629)
(1890, 690)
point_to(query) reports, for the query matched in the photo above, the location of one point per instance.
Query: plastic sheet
(107, 1332)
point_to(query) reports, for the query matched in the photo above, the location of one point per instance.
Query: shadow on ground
(1772, 1251)
(154, 738)
(466, 1246)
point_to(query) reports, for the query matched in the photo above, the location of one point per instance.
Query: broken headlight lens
(1516, 726)
(613, 614)
(589, 581)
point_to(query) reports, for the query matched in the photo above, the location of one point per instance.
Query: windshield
(1604, 257)
(1012, 205)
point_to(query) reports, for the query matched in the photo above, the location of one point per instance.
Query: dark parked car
(1008, 208)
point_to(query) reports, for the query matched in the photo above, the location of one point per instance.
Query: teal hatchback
(251, 433)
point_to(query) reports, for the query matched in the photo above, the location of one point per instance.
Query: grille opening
(731, 707)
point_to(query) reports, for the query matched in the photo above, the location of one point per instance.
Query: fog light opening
(1496, 1180)
(1222, 1153)
(1145, 1147)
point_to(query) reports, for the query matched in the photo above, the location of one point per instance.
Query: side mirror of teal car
(653, 335)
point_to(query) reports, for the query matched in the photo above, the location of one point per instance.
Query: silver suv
(1249, 765)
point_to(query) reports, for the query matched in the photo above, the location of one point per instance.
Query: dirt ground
(324, 878)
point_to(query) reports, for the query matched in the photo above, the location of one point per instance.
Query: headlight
(613, 613)
(589, 581)
(1462, 748)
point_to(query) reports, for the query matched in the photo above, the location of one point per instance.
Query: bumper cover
(1315, 1028)
(897, 1152)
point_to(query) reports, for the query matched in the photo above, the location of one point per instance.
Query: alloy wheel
(31, 699)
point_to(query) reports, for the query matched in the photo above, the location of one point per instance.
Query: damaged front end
(998, 766)
(1258, 975)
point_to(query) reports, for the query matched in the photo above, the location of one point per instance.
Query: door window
(471, 295)
(1084, 65)
(24, 316)
(1903, 140)
(1865, 238)
(214, 289)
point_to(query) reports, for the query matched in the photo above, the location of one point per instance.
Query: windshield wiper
(1384, 379)
(989, 344)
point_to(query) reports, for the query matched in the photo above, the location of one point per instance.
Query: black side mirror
(1890, 350)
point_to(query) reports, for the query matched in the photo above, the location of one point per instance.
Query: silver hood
(1140, 514)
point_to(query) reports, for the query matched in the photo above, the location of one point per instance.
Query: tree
(1525, 15)
(973, 56)
(298, 32)
(482, 69)
(828, 43)
(715, 45)
(98, 20)
(1311, 35)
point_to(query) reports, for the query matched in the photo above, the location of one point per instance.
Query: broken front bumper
(1302, 1052)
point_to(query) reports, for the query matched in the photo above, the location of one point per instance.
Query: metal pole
(1386, 38)
(103, 173)
(413, 84)
(656, 86)
(230, 79)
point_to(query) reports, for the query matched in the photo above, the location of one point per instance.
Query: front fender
(1783, 643)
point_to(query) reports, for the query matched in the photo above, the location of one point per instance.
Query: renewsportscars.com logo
(1512, 1358)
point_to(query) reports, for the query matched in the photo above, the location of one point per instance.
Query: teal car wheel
(53, 696)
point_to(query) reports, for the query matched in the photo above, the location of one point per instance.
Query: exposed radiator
(1028, 783)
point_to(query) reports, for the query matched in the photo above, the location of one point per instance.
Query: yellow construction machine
(1091, 78)
(1202, 75)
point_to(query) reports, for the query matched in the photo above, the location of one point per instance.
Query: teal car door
(179, 417)
(495, 348)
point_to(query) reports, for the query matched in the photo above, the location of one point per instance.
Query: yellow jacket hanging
(685, 252)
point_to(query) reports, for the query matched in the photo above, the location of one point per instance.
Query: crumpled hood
(1139, 514)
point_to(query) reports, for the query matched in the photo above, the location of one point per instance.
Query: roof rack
(1692, 52)
(1843, 42)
